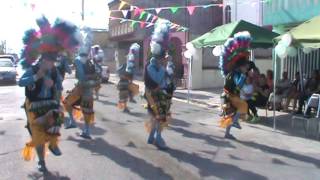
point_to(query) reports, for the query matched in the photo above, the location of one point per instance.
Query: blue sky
(16, 16)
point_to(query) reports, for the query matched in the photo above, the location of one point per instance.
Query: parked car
(13, 58)
(105, 74)
(8, 71)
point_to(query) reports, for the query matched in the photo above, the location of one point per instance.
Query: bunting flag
(149, 25)
(33, 6)
(158, 10)
(174, 9)
(122, 4)
(191, 9)
(125, 13)
(133, 23)
(137, 12)
(143, 13)
(149, 17)
(142, 24)
(207, 6)
(154, 19)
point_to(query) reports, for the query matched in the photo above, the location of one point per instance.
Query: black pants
(252, 107)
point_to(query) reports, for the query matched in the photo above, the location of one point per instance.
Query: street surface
(119, 150)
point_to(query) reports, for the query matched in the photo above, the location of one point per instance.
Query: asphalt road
(119, 150)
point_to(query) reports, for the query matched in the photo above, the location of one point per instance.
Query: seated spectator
(270, 79)
(262, 92)
(282, 91)
(312, 86)
(246, 93)
(294, 92)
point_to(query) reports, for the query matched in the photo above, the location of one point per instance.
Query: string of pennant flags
(147, 24)
(140, 13)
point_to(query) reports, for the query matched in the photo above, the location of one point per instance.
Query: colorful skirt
(77, 98)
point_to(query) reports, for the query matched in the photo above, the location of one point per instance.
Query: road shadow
(108, 120)
(7, 84)
(2, 133)
(208, 168)
(281, 152)
(180, 123)
(139, 166)
(204, 137)
(95, 130)
(47, 176)
(137, 114)
(283, 123)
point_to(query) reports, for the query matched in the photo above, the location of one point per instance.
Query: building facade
(123, 34)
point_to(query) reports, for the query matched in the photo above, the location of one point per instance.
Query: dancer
(234, 64)
(97, 56)
(82, 94)
(157, 91)
(127, 89)
(43, 84)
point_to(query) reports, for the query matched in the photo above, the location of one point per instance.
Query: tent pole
(300, 69)
(274, 87)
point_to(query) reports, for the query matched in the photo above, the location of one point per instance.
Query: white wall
(248, 10)
(204, 78)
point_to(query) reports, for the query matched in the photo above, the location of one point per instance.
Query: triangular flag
(142, 24)
(191, 9)
(154, 19)
(132, 8)
(220, 5)
(158, 10)
(122, 4)
(133, 23)
(174, 9)
(137, 11)
(143, 13)
(125, 13)
(148, 17)
(149, 25)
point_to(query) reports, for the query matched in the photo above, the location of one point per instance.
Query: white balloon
(307, 50)
(292, 51)
(217, 51)
(189, 46)
(187, 54)
(281, 51)
(287, 39)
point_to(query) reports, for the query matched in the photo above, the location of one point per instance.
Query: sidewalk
(207, 97)
(210, 98)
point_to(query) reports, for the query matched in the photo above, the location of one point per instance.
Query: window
(209, 61)
(227, 14)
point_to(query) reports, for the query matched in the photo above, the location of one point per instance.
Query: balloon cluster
(284, 48)
(234, 49)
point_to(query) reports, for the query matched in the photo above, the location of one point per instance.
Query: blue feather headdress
(49, 40)
(132, 56)
(160, 39)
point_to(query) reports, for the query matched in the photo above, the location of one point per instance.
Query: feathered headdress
(49, 40)
(132, 56)
(160, 39)
(235, 49)
(86, 41)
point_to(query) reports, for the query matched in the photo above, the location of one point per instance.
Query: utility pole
(82, 11)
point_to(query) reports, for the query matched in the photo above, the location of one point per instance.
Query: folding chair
(313, 102)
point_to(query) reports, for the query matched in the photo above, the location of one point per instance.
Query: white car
(8, 71)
